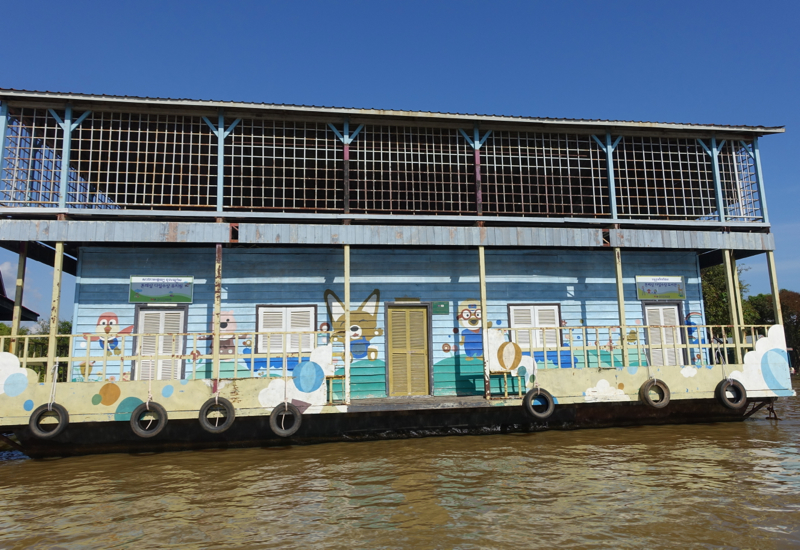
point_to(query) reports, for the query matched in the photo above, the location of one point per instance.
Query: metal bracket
(476, 142)
(345, 137)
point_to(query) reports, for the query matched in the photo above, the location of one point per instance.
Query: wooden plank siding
(582, 282)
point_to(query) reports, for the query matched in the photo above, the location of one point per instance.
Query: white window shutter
(271, 319)
(664, 338)
(149, 326)
(547, 316)
(522, 317)
(301, 320)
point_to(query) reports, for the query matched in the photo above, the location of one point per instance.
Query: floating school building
(249, 274)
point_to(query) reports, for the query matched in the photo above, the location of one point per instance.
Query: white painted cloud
(688, 372)
(766, 369)
(9, 366)
(278, 391)
(603, 391)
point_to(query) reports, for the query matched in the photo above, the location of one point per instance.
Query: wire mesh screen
(543, 174)
(278, 165)
(737, 174)
(664, 178)
(400, 169)
(30, 175)
(144, 161)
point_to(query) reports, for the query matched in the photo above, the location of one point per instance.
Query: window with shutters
(542, 320)
(284, 320)
(161, 336)
(663, 334)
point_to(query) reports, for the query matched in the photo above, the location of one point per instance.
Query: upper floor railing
(153, 161)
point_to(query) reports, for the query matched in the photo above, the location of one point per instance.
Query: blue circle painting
(15, 384)
(308, 376)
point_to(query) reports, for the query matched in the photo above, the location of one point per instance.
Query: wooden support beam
(54, 303)
(16, 317)
(217, 309)
(773, 283)
(621, 308)
(347, 324)
(732, 299)
(485, 323)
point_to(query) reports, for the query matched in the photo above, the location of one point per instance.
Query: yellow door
(408, 351)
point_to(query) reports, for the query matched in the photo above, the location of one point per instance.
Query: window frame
(557, 305)
(285, 307)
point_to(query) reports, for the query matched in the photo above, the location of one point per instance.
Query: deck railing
(173, 356)
(190, 356)
(634, 346)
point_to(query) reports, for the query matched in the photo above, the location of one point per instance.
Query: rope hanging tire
(731, 394)
(44, 431)
(223, 408)
(148, 427)
(538, 404)
(657, 387)
(280, 424)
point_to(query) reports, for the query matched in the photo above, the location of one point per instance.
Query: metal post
(773, 283)
(347, 324)
(3, 132)
(612, 188)
(65, 154)
(717, 182)
(759, 181)
(485, 323)
(221, 134)
(16, 317)
(478, 185)
(58, 264)
(217, 309)
(732, 299)
(220, 167)
(346, 176)
(621, 308)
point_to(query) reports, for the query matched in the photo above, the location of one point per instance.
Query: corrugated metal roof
(310, 109)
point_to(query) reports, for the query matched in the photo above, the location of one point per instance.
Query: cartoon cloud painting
(766, 369)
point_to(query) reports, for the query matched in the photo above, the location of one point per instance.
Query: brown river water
(732, 485)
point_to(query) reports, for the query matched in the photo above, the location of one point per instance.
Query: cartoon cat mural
(363, 324)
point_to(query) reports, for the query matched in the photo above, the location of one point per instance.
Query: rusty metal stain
(172, 232)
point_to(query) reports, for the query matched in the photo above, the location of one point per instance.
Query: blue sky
(728, 62)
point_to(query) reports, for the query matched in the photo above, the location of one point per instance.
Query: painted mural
(363, 324)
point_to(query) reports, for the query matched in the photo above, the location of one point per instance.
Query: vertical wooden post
(58, 267)
(217, 308)
(732, 299)
(737, 288)
(621, 308)
(485, 323)
(773, 283)
(347, 324)
(16, 317)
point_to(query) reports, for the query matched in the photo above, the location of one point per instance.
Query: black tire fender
(739, 400)
(45, 410)
(212, 425)
(660, 387)
(538, 412)
(147, 429)
(278, 416)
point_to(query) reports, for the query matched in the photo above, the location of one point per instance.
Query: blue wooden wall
(581, 281)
